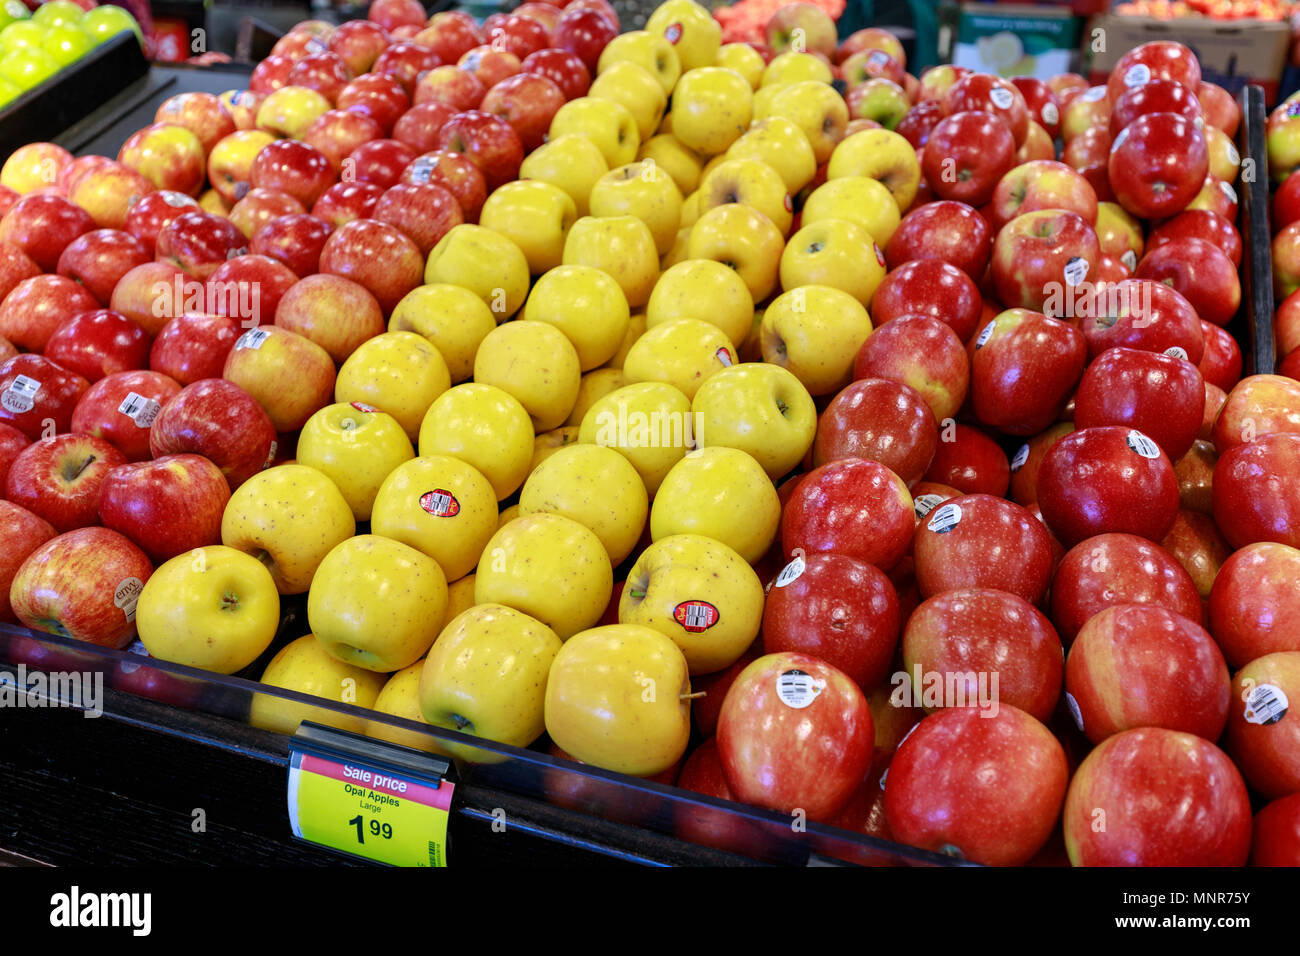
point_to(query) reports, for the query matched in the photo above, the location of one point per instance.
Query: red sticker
(789, 203)
(696, 616)
(440, 503)
(673, 33)
(880, 256)
(363, 407)
(723, 355)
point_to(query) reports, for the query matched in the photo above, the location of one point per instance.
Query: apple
(345, 201)
(376, 256)
(356, 448)
(107, 192)
(489, 64)
(407, 60)
(455, 173)
(584, 33)
(928, 287)
(1167, 798)
(452, 86)
(337, 133)
(34, 166)
(150, 213)
(220, 421)
(966, 155)
(534, 362)
(1140, 314)
(168, 506)
(1157, 165)
(1161, 59)
(263, 356)
(193, 346)
(24, 532)
(198, 242)
(450, 34)
(1277, 832)
(878, 420)
(168, 155)
(380, 96)
(919, 351)
(1040, 257)
(379, 162)
(969, 460)
(1252, 498)
(1250, 607)
(563, 68)
(459, 423)
(946, 230)
(37, 396)
(744, 239)
(1262, 726)
(419, 126)
(1023, 368)
(836, 504)
(982, 788)
(248, 288)
(99, 259)
(121, 407)
(33, 311)
(58, 479)
(1159, 395)
(1199, 270)
(335, 313)
(42, 225)
(400, 373)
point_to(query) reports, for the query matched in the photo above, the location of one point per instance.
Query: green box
(1014, 40)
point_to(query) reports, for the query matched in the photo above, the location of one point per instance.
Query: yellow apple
(230, 161)
(550, 567)
(486, 676)
(355, 446)
(815, 108)
(547, 444)
(723, 494)
(1122, 233)
(483, 426)
(699, 593)
(645, 191)
(835, 253)
(678, 251)
(507, 515)
(618, 697)
(862, 201)
(400, 697)
(304, 666)
(594, 386)
(815, 332)
(607, 124)
(214, 608)
(596, 487)
(683, 353)
(783, 145)
(743, 239)
(635, 329)
(535, 363)
(587, 305)
(377, 603)
(288, 517)
(535, 216)
(712, 107)
(691, 29)
(634, 87)
(794, 66)
(570, 161)
(706, 290)
(440, 506)
(691, 209)
(667, 152)
(484, 261)
(882, 155)
(751, 183)
(400, 373)
(745, 60)
(452, 317)
(649, 423)
(290, 110)
(647, 50)
(760, 409)
(460, 596)
(621, 246)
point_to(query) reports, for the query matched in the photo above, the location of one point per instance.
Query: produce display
(35, 46)
(754, 417)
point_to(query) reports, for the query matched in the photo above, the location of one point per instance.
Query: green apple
(27, 69)
(304, 666)
(64, 43)
(104, 23)
(54, 13)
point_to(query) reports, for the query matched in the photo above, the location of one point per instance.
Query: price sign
(386, 803)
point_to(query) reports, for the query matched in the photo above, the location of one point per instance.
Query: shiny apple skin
(878, 420)
(1256, 491)
(851, 506)
(1160, 395)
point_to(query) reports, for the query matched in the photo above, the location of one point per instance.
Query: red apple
(966, 155)
(22, 532)
(585, 33)
(58, 479)
(271, 73)
(202, 114)
(455, 173)
(851, 506)
(41, 225)
(325, 72)
(220, 421)
(970, 461)
(878, 420)
(15, 266)
(152, 294)
(296, 241)
(293, 168)
(378, 96)
(1263, 724)
(1199, 270)
(1043, 184)
(424, 213)
(1158, 164)
(1024, 367)
(107, 191)
(1154, 96)
(984, 92)
(335, 313)
(198, 242)
(450, 34)
(1255, 494)
(1042, 260)
(120, 408)
(952, 232)
(37, 395)
(451, 86)
(1254, 608)
(528, 102)
(193, 346)
(150, 213)
(1160, 395)
(919, 122)
(98, 343)
(337, 133)
(391, 14)
(167, 506)
(376, 256)
(359, 42)
(379, 162)
(563, 68)
(1199, 224)
(248, 288)
(919, 351)
(1161, 59)
(929, 287)
(343, 202)
(488, 142)
(420, 125)
(1140, 314)
(36, 307)
(99, 259)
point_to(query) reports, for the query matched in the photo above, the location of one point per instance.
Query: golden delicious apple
(288, 517)
(743, 239)
(649, 423)
(611, 126)
(761, 409)
(440, 506)
(452, 317)
(483, 426)
(304, 666)
(587, 305)
(595, 385)
(862, 201)
(596, 487)
(698, 592)
(617, 697)
(835, 253)
(548, 443)
(355, 446)
(214, 608)
(706, 290)
(712, 107)
(783, 145)
(750, 182)
(535, 216)
(484, 261)
(683, 164)
(622, 246)
(794, 66)
(815, 332)
(550, 567)
(683, 353)
(817, 109)
(400, 697)
(537, 364)
(572, 162)
(377, 603)
(882, 155)
(745, 60)
(486, 676)
(645, 191)
(400, 373)
(723, 494)
(635, 88)
(691, 29)
(650, 51)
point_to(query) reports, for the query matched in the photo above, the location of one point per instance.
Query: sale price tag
(385, 803)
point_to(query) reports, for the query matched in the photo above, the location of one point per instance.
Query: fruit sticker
(364, 407)
(1076, 270)
(880, 255)
(985, 335)
(1022, 456)
(1093, 94)
(1177, 351)
(127, 595)
(440, 503)
(1141, 444)
(20, 396)
(1001, 97)
(798, 688)
(1234, 157)
(139, 409)
(791, 572)
(925, 504)
(723, 355)
(945, 519)
(695, 616)
(673, 33)
(422, 169)
(788, 203)
(1267, 704)
(1077, 714)
(252, 339)
(1137, 74)
(1228, 191)
(1130, 259)
(1051, 115)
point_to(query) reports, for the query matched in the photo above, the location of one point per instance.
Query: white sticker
(1119, 140)
(177, 200)
(945, 519)
(1137, 74)
(790, 573)
(798, 688)
(1267, 704)
(1177, 351)
(927, 503)
(252, 339)
(1093, 94)
(1130, 260)
(136, 648)
(139, 409)
(1141, 444)
(1076, 270)
(20, 396)
(1228, 191)
(1001, 97)
(1073, 704)
(1234, 157)
(985, 335)
(1022, 456)
(127, 594)
(422, 169)
(1051, 115)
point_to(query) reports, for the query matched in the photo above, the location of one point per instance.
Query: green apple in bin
(12, 11)
(56, 12)
(8, 92)
(26, 69)
(24, 35)
(103, 23)
(306, 667)
(64, 43)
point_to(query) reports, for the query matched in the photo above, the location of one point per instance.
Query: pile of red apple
(944, 414)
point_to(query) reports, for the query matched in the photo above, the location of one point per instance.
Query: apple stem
(82, 467)
(637, 593)
(695, 696)
(229, 602)
(461, 722)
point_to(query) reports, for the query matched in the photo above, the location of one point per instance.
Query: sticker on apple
(139, 409)
(723, 355)
(880, 255)
(364, 407)
(1267, 704)
(945, 519)
(1077, 714)
(1022, 456)
(422, 169)
(926, 503)
(252, 339)
(1093, 94)
(788, 203)
(1234, 157)
(127, 596)
(696, 616)
(1177, 351)
(1076, 270)
(1001, 97)
(791, 572)
(1130, 260)
(440, 503)
(1051, 115)
(673, 33)
(985, 335)
(20, 396)
(1137, 74)
(798, 689)
(1141, 444)
(1228, 190)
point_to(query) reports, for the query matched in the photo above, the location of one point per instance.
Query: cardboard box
(1232, 52)
(1015, 39)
